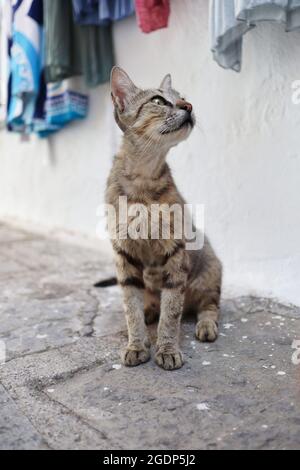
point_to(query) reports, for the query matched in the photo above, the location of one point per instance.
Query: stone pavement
(62, 385)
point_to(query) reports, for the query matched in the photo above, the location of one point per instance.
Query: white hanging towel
(231, 19)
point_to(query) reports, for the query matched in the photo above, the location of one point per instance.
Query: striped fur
(158, 276)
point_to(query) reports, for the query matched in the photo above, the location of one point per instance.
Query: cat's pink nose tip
(184, 105)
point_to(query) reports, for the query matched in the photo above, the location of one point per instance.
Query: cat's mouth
(188, 122)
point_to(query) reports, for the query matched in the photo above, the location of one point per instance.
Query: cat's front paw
(207, 331)
(169, 360)
(132, 357)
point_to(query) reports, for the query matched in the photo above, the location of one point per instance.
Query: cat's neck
(142, 161)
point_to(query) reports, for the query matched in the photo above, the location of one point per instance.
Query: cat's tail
(107, 283)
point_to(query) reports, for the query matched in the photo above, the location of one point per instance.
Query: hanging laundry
(115, 10)
(152, 14)
(66, 101)
(95, 12)
(231, 19)
(5, 35)
(33, 105)
(72, 49)
(25, 64)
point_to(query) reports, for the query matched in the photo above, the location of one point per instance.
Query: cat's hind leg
(208, 312)
(203, 297)
(207, 328)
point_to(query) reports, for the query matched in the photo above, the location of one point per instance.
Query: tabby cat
(160, 277)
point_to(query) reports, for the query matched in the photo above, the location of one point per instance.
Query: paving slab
(47, 296)
(241, 392)
(16, 431)
(62, 385)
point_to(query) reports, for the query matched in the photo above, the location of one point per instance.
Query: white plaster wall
(242, 161)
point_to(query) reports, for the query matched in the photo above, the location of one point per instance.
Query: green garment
(72, 49)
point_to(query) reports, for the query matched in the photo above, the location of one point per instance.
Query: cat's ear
(122, 88)
(166, 84)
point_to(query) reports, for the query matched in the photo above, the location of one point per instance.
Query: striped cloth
(66, 101)
(231, 19)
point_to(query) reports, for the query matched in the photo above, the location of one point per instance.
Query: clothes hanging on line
(231, 19)
(66, 101)
(43, 48)
(99, 12)
(152, 14)
(26, 87)
(31, 103)
(72, 49)
(5, 35)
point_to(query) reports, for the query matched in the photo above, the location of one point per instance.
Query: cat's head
(159, 115)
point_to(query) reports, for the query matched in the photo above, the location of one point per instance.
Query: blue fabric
(63, 104)
(99, 12)
(26, 64)
(34, 106)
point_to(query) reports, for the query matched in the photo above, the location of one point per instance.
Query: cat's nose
(184, 105)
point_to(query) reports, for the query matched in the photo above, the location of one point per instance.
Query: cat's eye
(159, 101)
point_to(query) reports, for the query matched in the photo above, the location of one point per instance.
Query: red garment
(152, 14)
